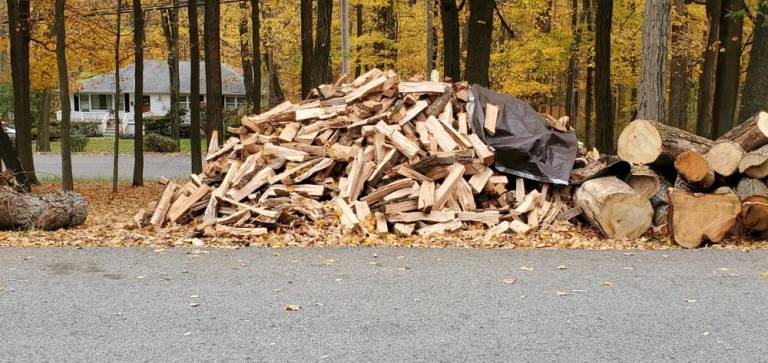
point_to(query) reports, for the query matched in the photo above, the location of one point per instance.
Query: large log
(646, 142)
(614, 208)
(696, 217)
(754, 203)
(694, 168)
(728, 150)
(755, 163)
(48, 211)
(724, 157)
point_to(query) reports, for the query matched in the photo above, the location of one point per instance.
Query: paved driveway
(100, 166)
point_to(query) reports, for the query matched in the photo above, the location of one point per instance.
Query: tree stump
(695, 217)
(614, 208)
(646, 142)
(48, 211)
(754, 203)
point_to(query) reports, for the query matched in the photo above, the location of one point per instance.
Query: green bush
(78, 142)
(89, 129)
(159, 143)
(158, 125)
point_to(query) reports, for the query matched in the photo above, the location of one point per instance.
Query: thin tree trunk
(245, 59)
(754, 97)
(449, 15)
(604, 134)
(276, 94)
(117, 100)
(590, 77)
(679, 75)
(708, 78)
(213, 95)
(728, 66)
(572, 74)
(194, 89)
(43, 126)
(359, 33)
(345, 37)
(138, 94)
(256, 54)
(322, 52)
(386, 23)
(18, 25)
(63, 71)
(307, 48)
(430, 30)
(171, 31)
(544, 19)
(479, 38)
(653, 67)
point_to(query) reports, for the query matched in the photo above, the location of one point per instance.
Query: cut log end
(696, 217)
(614, 207)
(694, 168)
(639, 143)
(724, 157)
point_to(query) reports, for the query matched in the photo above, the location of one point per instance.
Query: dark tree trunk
(679, 75)
(479, 38)
(590, 78)
(43, 126)
(359, 33)
(386, 23)
(276, 94)
(544, 19)
(194, 89)
(653, 67)
(63, 71)
(754, 97)
(171, 32)
(572, 74)
(708, 78)
(307, 48)
(256, 54)
(18, 25)
(138, 94)
(245, 58)
(449, 15)
(322, 52)
(213, 97)
(604, 134)
(117, 99)
(728, 66)
(10, 158)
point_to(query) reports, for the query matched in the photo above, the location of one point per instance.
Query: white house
(93, 100)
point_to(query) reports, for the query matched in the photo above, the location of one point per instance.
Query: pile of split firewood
(387, 156)
(391, 156)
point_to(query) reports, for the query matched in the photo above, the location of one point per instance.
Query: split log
(48, 211)
(754, 203)
(644, 181)
(646, 142)
(614, 208)
(695, 217)
(755, 163)
(694, 168)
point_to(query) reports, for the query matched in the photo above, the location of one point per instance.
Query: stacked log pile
(387, 156)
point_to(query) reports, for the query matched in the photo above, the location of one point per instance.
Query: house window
(102, 102)
(146, 103)
(85, 102)
(230, 103)
(76, 102)
(184, 103)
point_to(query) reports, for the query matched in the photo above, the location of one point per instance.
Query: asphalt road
(381, 304)
(84, 166)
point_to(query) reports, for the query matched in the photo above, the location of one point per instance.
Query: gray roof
(156, 79)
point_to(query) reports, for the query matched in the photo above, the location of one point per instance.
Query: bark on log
(48, 211)
(695, 217)
(644, 181)
(755, 163)
(646, 142)
(754, 203)
(614, 208)
(695, 169)
(751, 134)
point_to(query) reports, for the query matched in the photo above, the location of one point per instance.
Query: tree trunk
(43, 126)
(679, 74)
(49, 212)
(589, 85)
(276, 94)
(708, 78)
(213, 97)
(614, 208)
(256, 55)
(604, 134)
(138, 94)
(728, 66)
(171, 32)
(245, 59)
(572, 73)
(116, 148)
(431, 44)
(386, 23)
(544, 19)
(754, 97)
(690, 226)
(449, 15)
(358, 34)
(10, 158)
(18, 25)
(479, 38)
(63, 71)
(322, 52)
(653, 67)
(194, 89)
(307, 48)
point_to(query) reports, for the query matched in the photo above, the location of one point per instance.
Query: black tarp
(525, 145)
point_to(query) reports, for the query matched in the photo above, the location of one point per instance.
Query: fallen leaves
(292, 307)
(764, 274)
(526, 268)
(561, 293)
(607, 283)
(510, 280)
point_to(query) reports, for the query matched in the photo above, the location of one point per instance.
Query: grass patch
(105, 145)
